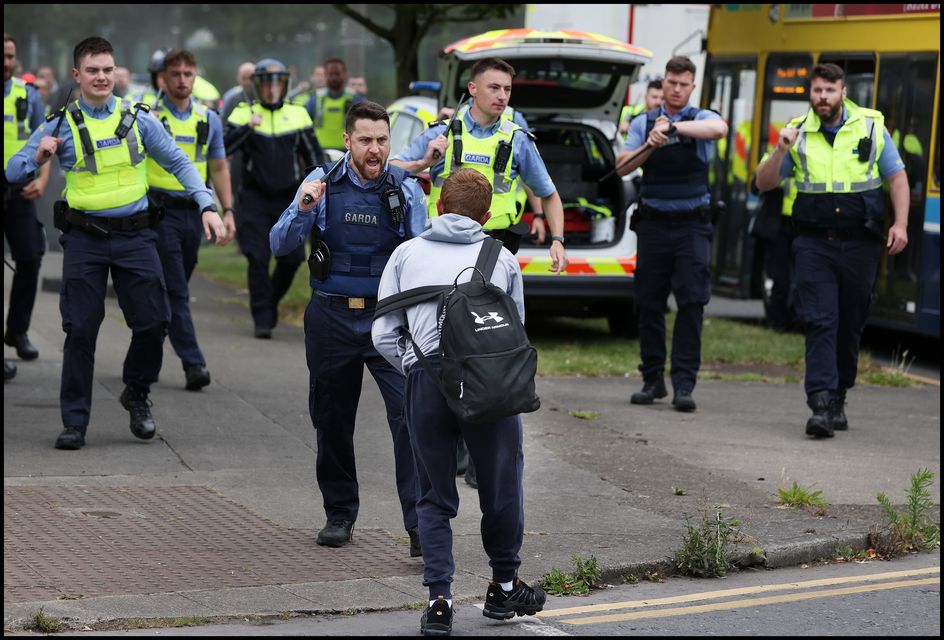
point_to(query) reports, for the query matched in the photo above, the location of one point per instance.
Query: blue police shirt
(889, 163)
(526, 161)
(294, 226)
(636, 137)
(35, 111)
(215, 148)
(312, 105)
(154, 139)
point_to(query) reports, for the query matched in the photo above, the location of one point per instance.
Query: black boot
(837, 415)
(138, 405)
(819, 425)
(652, 389)
(24, 348)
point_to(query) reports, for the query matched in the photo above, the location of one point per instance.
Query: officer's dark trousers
(258, 212)
(139, 282)
(834, 280)
(672, 257)
(27, 241)
(178, 243)
(337, 346)
(496, 450)
(778, 263)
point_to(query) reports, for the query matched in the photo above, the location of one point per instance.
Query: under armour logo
(492, 315)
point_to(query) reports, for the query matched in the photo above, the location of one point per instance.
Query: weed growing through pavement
(706, 550)
(585, 415)
(910, 529)
(679, 491)
(796, 496)
(43, 623)
(586, 577)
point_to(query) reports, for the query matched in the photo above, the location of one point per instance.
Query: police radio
(456, 128)
(865, 145)
(502, 154)
(393, 203)
(22, 108)
(203, 132)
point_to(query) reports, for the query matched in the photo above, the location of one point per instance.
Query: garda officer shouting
(361, 211)
(106, 228)
(22, 114)
(838, 154)
(198, 132)
(496, 147)
(277, 143)
(673, 224)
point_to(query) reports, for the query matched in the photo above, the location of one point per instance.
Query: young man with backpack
(453, 243)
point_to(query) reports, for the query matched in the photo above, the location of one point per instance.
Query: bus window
(785, 94)
(860, 75)
(906, 87)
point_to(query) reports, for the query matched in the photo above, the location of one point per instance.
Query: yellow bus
(757, 77)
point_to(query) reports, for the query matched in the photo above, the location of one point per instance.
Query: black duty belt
(100, 224)
(174, 202)
(346, 302)
(701, 214)
(837, 235)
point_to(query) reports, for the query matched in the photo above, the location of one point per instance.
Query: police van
(571, 87)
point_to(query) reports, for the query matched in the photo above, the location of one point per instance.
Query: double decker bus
(757, 77)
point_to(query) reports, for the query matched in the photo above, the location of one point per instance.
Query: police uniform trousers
(778, 264)
(258, 213)
(178, 242)
(834, 281)
(337, 346)
(672, 256)
(497, 452)
(136, 273)
(27, 240)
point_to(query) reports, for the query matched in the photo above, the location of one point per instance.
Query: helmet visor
(271, 88)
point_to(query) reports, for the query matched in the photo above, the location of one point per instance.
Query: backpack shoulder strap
(488, 257)
(409, 298)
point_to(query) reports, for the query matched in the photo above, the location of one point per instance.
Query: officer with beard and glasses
(361, 209)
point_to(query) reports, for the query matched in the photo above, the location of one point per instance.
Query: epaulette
(142, 105)
(54, 114)
(437, 123)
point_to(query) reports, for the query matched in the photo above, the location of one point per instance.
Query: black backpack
(488, 364)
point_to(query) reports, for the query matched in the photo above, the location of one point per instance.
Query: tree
(411, 24)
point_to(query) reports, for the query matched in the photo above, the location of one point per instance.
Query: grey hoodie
(449, 245)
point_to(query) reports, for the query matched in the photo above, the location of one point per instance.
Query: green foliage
(586, 577)
(912, 528)
(706, 550)
(679, 491)
(796, 496)
(44, 624)
(585, 415)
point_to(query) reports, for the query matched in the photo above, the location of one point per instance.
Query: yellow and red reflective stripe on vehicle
(505, 37)
(540, 265)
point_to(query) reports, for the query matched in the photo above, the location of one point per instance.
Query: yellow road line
(752, 602)
(727, 593)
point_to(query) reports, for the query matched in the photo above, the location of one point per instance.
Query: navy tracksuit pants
(337, 346)
(178, 243)
(834, 281)
(672, 257)
(497, 452)
(27, 240)
(139, 283)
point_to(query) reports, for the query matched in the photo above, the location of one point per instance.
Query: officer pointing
(838, 155)
(107, 227)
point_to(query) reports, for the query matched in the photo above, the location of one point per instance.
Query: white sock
(506, 586)
(448, 601)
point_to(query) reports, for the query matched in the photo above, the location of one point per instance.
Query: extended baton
(645, 147)
(307, 199)
(55, 132)
(436, 153)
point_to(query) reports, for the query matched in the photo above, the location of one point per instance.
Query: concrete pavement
(217, 516)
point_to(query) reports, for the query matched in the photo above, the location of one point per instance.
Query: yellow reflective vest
(186, 134)
(329, 119)
(16, 132)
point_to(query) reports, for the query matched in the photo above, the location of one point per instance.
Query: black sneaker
(522, 600)
(415, 549)
(197, 377)
(437, 619)
(70, 439)
(651, 391)
(136, 402)
(336, 533)
(683, 401)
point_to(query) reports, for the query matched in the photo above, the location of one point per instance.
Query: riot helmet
(270, 82)
(156, 65)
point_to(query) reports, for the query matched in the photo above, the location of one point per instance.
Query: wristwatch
(539, 215)
(229, 210)
(210, 207)
(558, 238)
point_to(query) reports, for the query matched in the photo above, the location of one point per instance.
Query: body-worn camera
(502, 155)
(319, 262)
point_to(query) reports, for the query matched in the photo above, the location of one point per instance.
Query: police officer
(362, 211)
(652, 100)
(107, 228)
(277, 143)
(198, 131)
(496, 147)
(838, 154)
(674, 230)
(22, 114)
(327, 108)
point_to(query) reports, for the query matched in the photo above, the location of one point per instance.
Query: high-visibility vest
(329, 119)
(290, 118)
(186, 134)
(115, 174)
(479, 154)
(16, 131)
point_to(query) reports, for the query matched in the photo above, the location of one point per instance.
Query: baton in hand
(307, 199)
(437, 154)
(55, 132)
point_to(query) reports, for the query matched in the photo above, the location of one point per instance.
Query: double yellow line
(650, 610)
